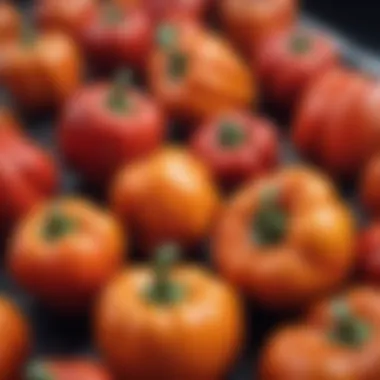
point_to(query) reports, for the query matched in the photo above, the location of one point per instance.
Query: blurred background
(356, 26)
(359, 20)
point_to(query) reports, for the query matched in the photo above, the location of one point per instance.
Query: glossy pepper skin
(287, 62)
(161, 10)
(67, 16)
(180, 322)
(338, 340)
(370, 186)
(15, 341)
(165, 9)
(40, 71)
(28, 174)
(325, 124)
(166, 196)
(64, 251)
(285, 239)
(194, 73)
(248, 22)
(10, 22)
(115, 36)
(368, 254)
(107, 125)
(236, 146)
(66, 369)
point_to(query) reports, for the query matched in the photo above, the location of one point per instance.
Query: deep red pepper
(237, 146)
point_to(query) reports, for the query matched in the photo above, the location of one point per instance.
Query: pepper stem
(231, 134)
(300, 43)
(57, 225)
(166, 36)
(269, 224)
(177, 64)
(37, 371)
(28, 34)
(112, 13)
(167, 39)
(349, 330)
(117, 99)
(163, 290)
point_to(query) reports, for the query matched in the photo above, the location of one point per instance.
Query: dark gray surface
(56, 335)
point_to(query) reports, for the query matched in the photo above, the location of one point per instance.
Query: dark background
(356, 27)
(358, 20)
(355, 24)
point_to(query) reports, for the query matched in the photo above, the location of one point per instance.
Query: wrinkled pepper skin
(195, 74)
(285, 239)
(197, 337)
(65, 251)
(339, 340)
(236, 146)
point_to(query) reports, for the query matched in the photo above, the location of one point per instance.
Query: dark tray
(356, 29)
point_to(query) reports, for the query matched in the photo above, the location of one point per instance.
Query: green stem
(177, 64)
(117, 99)
(167, 36)
(270, 220)
(163, 290)
(28, 34)
(231, 134)
(112, 14)
(37, 371)
(167, 39)
(300, 43)
(58, 225)
(349, 330)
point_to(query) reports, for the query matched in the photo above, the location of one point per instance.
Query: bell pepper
(333, 106)
(288, 62)
(65, 251)
(236, 146)
(167, 196)
(285, 239)
(337, 340)
(173, 322)
(194, 73)
(114, 37)
(40, 70)
(107, 125)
